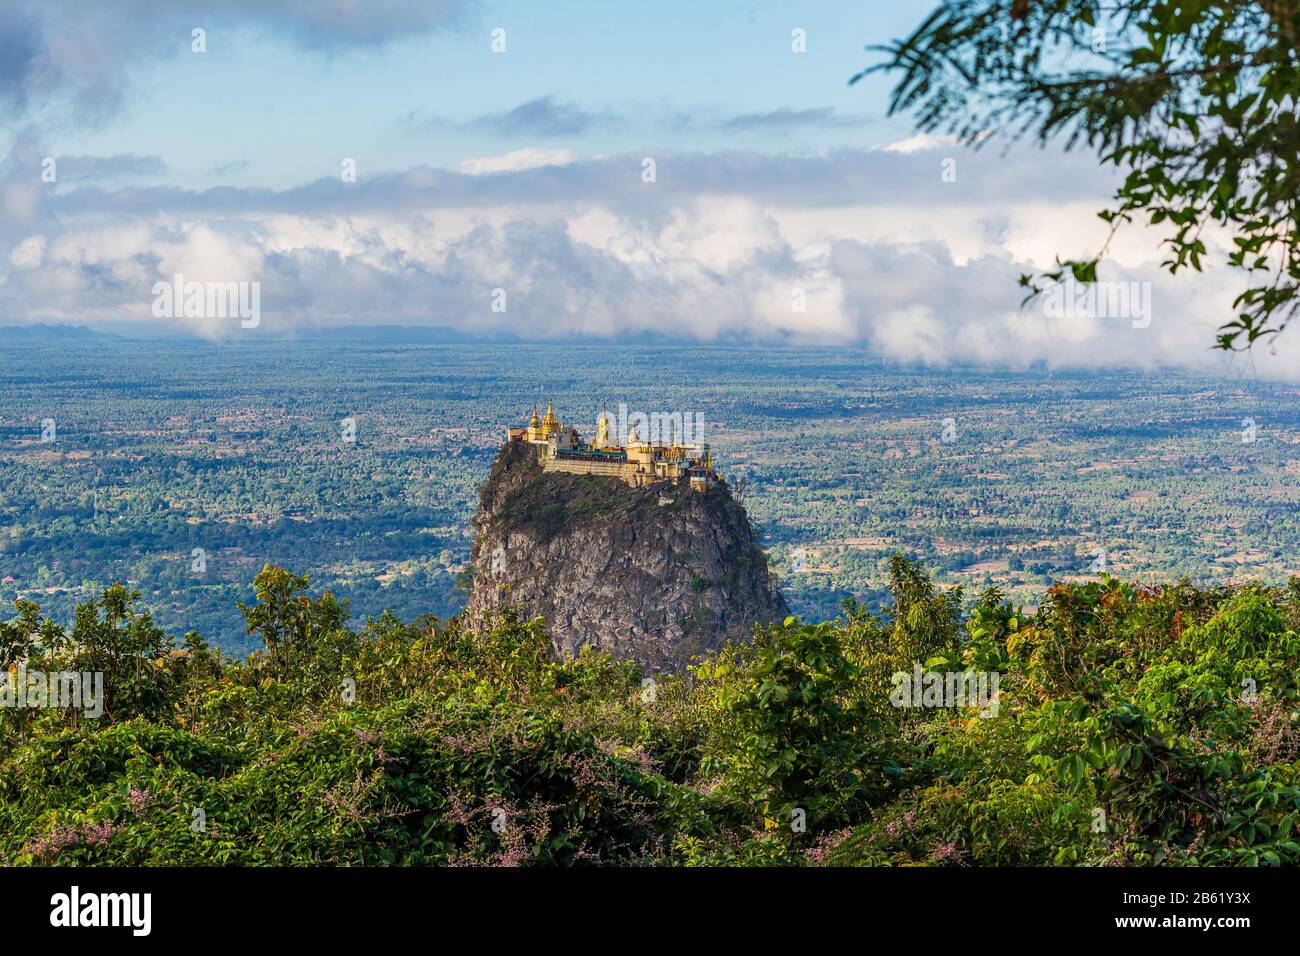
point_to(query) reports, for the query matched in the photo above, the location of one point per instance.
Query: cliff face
(656, 575)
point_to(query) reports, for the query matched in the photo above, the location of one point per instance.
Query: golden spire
(550, 424)
(534, 422)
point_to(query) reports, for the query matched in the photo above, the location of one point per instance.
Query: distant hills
(359, 335)
(397, 335)
(52, 333)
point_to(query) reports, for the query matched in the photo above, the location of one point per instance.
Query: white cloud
(517, 161)
(918, 143)
(28, 253)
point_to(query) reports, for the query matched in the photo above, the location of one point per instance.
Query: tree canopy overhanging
(1194, 101)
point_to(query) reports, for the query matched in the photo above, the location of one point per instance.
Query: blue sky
(266, 108)
(786, 207)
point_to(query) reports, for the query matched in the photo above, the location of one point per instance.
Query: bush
(1134, 726)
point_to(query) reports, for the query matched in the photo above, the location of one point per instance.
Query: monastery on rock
(639, 463)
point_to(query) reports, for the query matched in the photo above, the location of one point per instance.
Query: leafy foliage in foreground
(1133, 726)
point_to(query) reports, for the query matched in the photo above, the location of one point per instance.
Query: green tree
(111, 636)
(1193, 100)
(303, 637)
(796, 737)
(18, 637)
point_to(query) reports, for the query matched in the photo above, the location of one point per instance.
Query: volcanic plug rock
(657, 575)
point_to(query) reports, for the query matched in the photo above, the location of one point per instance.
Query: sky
(503, 155)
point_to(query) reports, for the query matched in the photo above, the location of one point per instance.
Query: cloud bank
(871, 248)
(911, 249)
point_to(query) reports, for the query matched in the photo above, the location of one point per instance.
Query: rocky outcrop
(657, 575)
